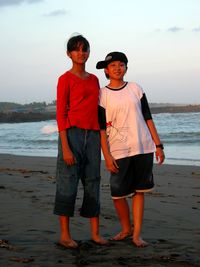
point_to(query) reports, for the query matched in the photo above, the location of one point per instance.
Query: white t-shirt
(127, 131)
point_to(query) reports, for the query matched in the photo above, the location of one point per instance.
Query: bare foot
(121, 236)
(71, 244)
(100, 241)
(140, 243)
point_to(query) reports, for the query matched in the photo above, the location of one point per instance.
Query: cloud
(196, 29)
(175, 29)
(4, 3)
(158, 30)
(56, 13)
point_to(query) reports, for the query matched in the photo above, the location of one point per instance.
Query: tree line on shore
(9, 107)
(40, 111)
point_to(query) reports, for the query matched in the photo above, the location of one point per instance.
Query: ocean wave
(181, 137)
(182, 161)
(180, 134)
(49, 129)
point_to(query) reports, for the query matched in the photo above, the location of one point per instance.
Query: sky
(161, 39)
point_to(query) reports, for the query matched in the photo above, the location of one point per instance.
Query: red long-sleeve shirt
(77, 102)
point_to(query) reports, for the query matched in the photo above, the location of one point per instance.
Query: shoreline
(29, 229)
(170, 162)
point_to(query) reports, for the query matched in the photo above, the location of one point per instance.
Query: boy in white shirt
(129, 139)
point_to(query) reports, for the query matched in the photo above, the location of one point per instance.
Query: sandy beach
(29, 230)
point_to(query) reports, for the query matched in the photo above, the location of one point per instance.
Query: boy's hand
(111, 164)
(160, 155)
(68, 157)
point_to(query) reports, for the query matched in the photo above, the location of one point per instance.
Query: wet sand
(29, 230)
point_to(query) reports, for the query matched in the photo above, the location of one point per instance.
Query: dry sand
(29, 230)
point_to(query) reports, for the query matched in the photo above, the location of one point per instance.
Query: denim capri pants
(85, 145)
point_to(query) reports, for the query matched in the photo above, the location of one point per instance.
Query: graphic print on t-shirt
(119, 136)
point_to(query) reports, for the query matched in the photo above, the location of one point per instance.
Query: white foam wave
(49, 129)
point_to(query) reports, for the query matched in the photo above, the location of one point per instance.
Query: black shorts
(135, 175)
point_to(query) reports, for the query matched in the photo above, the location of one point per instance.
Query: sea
(179, 132)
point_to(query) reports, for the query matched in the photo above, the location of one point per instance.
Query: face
(79, 55)
(116, 70)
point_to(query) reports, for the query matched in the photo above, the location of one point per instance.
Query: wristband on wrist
(160, 146)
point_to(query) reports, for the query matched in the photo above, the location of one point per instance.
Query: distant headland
(173, 108)
(40, 111)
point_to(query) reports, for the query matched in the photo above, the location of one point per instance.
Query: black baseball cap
(113, 56)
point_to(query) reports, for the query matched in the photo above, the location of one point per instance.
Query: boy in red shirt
(79, 153)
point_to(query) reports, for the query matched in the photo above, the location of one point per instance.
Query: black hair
(75, 42)
(107, 76)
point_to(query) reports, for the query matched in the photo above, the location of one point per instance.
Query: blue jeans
(85, 145)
